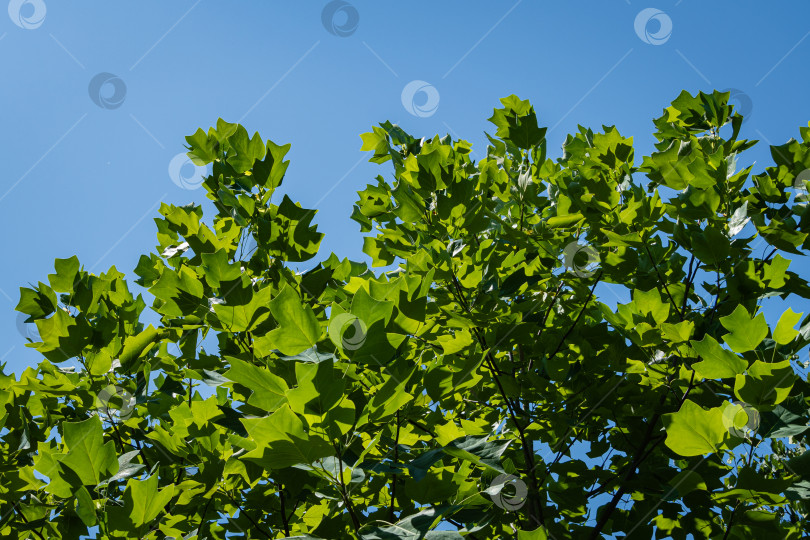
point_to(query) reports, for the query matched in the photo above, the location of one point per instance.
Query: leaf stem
(242, 510)
(581, 312)
(284, 519)
(394, 479)
(663, 282)
(730, 521)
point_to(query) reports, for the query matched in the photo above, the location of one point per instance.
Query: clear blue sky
(82, 179)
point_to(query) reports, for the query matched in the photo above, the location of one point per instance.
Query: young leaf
(745, 332)
(694, 431)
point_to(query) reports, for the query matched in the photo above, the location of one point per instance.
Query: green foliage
(481, 388)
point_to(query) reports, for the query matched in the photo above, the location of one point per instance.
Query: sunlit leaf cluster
(478, 381)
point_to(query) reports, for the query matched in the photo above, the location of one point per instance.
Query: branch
(141, 452)
(284, 519)
(461, 526)
(663, 282)
(611, 506)
(205, 511)
(16, 510)
(561, 453)
(548, 310)
(347, 501)
(730, 521)
(690, 278)
(641, 454)
(528, 451)
(423, 428)
(394, 479)
(581, 312)
(242, 510)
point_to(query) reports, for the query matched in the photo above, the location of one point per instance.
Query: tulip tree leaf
(298, 327)
(784, 331)
(745, 332)
(717, 363)
(91, 459)
(765, 384)
(144, 501)
(269, 390)
(282, 441)
(694, 431)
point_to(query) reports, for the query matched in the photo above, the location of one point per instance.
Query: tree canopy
(478, 384)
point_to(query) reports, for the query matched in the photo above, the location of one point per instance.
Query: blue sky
(85, 179)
